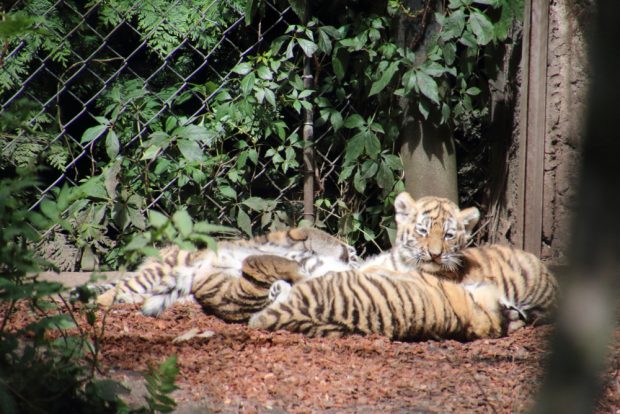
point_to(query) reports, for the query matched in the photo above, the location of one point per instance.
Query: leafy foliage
(46, 366)
(195, 127)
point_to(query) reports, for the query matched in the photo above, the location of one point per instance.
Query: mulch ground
(234, 369)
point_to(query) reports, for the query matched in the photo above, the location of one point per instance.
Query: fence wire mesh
(89, 82)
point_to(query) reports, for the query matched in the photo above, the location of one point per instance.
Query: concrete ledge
(72, 279)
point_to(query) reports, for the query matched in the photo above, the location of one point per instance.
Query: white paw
(279, 291)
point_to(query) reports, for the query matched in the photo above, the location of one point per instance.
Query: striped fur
(401, 306)
(525, 284)
(432, 235)
(159, 282)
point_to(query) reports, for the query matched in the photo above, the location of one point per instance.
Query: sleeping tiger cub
(225, 289)
(432, 235)
(400, 305)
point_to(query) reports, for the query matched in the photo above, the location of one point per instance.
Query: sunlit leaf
(428, 87)
(385, 79)
(93, 133)
(111, 144)
(244, 223)
(183, 222)
(307, 46)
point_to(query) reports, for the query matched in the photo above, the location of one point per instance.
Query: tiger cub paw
(279, 291)
(514, 318)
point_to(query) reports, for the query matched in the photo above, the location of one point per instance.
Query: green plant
(46, 366)
(224, 144)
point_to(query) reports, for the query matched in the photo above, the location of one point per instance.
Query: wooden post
(533, 127)
(308, 135)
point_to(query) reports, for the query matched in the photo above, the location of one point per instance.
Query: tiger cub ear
(404, 205)
(469, 217)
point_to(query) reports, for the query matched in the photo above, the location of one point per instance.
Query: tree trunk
(427, 150)
(429, 160)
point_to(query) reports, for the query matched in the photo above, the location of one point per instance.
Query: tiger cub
(225, 288)
(432, 235)
(402, 306)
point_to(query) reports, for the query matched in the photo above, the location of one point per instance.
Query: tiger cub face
(432, 231)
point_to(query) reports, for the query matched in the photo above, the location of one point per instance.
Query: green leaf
(336, 119)
(137, 242)
(137, 218)
(228, 192)
(244, 223)
(92, 133)
(111, 144)
(89, 260)
(368, 169)
(197, 133)
(264, 72)
(242, 68)
(255, 203)
(473, 91)
(110, 179)
(354, 121)
(250, 9)
(190, 149)
(208, 228)
(428, 87)
(445, 113)
(340, 62)
(183, 222)
(423, 108)
(393, 161)
(481, 26)
(94, 188)
(49, 209)
(151, 152)
(493, 3)
(449, 53)
(156, 219)
(453, 25)
(409, 81)
(270, 97)
(434, 69)
(359, 182)
(385, 177)
(299, 7)
(372, 146)
(247, 83)
(468, 39)
(354, 148)
(345, 173)
(308, 46)
(385, 79)
(325, 43)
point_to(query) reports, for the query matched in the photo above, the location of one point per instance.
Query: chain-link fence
(132, 106)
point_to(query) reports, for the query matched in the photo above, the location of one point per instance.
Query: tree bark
(429, 160)
(427, 150)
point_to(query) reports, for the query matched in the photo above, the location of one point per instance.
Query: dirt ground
(229, 368)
